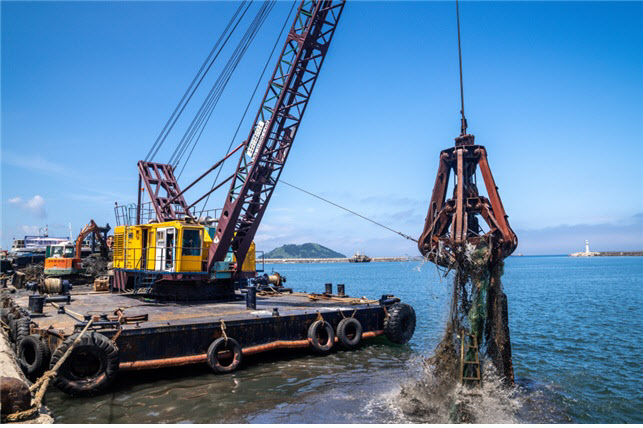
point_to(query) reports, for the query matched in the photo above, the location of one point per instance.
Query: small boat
(360, 258)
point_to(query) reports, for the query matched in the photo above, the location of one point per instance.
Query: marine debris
(454, 238)
(468, 234)
(478, 327)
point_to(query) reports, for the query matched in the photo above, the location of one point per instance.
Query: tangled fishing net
(479, 309)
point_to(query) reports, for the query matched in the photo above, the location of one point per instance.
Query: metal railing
(126, 214)
(166, 259)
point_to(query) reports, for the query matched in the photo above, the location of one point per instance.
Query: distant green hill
(303, 251)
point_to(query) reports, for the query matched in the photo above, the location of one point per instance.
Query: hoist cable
(212, 94)
(350, 211)
(463, 124)
(192, 89)
(178, 110)
(198, 125)
(214, 99)
(265, 67)
(215, 95)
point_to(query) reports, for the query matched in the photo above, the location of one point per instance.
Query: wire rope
(254, 92)
(350, 211)
(180, 107)
(197, 127)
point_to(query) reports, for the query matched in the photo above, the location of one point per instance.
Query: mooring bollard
(36, 303)
(251, 297)
(329, 288)
(341, 290)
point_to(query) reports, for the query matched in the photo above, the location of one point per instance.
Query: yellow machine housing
(173, 246)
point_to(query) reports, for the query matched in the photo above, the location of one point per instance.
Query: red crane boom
(275, 128)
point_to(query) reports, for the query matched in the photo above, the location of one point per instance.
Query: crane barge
(186, 288)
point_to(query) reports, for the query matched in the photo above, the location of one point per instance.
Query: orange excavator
(65, 258)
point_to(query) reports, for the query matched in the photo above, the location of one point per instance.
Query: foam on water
(425, 398)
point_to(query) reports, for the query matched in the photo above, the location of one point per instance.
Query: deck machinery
(177, 254)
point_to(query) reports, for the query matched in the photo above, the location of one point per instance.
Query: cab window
(191, 242)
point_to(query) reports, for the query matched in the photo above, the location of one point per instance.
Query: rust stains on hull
(251, 350)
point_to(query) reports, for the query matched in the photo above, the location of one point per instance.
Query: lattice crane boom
(275, 127)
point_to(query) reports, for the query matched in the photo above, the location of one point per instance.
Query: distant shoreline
(345, 260)
(420, 258)
(609, 254)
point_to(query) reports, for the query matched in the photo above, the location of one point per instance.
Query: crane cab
(61, 260)
(172, 247)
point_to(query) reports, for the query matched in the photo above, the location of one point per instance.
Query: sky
(553, 90)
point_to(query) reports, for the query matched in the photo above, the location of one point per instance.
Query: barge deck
(147, 334)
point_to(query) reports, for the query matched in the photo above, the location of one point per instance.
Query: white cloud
(37, 206)
(34, 206)
(34, 163)
(30, 230)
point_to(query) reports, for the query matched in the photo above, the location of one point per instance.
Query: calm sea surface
(575, 330)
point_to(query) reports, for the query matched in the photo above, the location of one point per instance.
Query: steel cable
(207, 102)
(350, 211)
(192, 88)
(254, 92)
(194, 132)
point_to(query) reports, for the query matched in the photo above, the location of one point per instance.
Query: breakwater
(344, 260)
(608, 254)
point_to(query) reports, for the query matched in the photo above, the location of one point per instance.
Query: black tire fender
(33, 356)
(349, 332)
(399, 326)
(4, 315)
(12, 317)
(214, 357)
(22, 327)
(321, 336)
(91, 367)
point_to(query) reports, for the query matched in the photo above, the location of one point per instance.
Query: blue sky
(553, 90)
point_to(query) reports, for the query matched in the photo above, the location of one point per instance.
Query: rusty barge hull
(156, 335)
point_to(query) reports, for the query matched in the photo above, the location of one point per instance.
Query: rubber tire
(22, 328)
(99, 347)
(40, 356)
(400, 324)
(219, 345)
(313, 336)
(343, 326)
(11, 321)
(4, 313)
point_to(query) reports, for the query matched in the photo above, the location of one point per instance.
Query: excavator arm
(89, 228)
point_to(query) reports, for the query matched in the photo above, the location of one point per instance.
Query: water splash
(478, 312)
(430, 398)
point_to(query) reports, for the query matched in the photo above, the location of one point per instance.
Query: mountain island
(303, 251)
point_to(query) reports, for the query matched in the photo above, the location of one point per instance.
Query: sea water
(576, 339)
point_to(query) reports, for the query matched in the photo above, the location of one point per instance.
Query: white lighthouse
(586, 253)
